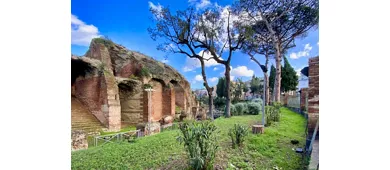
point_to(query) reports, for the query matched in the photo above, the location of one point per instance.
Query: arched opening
(79, 69)
(131, 101)
(180, 102)
(85, 93)
(157, 99)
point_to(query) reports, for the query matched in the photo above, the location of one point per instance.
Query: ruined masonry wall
(313, 98)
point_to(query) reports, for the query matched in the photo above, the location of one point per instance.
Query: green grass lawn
(162, 151)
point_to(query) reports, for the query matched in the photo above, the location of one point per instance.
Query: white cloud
(241, 71)
(165, 61)
(304, 53)
(198, 78)
(193, 63)
(214, 79)
(82, 33)
(157, 8)
(200, 4)
(215, 68)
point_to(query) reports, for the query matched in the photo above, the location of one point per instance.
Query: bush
(144, 72)
(254, 108)
(233, 110)
(241, 108)
(238, 134)
(200, 143)
(258, 100)
(277, 105)
(219, 102)
(272, 115)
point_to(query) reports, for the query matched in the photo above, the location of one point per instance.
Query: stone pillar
(313, 97)
(112, 108)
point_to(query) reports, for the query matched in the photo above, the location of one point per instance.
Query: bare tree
(221, 34)
(284, 20)
(177, 32)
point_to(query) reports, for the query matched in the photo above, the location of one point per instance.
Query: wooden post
(257, 129)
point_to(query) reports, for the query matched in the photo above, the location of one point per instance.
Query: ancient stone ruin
(108, 82)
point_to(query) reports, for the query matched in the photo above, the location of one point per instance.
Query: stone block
(79, 140)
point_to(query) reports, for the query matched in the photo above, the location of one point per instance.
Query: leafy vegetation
(256, 85)
(254, 108)
(241, 108)
(271, 81)
(105, 40)
(272, 115)
(233, 110)
(147, 86)
(200, 143)
(289, 77)
(238, 134)
(161, 151)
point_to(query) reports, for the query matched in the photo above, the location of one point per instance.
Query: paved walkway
(314, 158)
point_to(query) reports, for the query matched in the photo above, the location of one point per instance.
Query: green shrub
(258, 100)
(272, 115)
(238, 134)
(233, 110)
(241, 108)
(277, 105)
(147, 86)
(219, 102)
(200, 143)
(144, 72)
(254, 108)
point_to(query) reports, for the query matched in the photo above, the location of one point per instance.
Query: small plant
(200, 143)
(233, 110)
(272, 115)
(148, 86)
(254, 108)
(133, 77)
(144, 72)
(238, 134)
(277, 105)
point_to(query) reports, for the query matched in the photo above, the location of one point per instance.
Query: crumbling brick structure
(313, 97)
(110, 81)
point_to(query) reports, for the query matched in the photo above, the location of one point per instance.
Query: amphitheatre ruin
(108, 89)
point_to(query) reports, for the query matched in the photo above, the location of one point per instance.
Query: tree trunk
(211, 104)
(278, 75)
(227, 76)
(256, 129)
(266, 79)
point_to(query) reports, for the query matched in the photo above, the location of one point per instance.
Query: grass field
(162, 151)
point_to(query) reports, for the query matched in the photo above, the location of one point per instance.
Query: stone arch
(80, 70)
(131, 101)
(179, 99)
(157, 99)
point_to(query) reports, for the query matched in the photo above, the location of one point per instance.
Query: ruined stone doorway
(180, 102)
(131, 101)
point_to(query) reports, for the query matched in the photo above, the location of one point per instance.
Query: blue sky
(126, 23)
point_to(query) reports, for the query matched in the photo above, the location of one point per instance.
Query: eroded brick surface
(313, 95)
(112, 64)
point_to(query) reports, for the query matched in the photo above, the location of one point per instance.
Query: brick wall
(303, 98)
(168, 103)
(157, 98)
(100, 95)
(131, 106)
(88, 91)
(179, 97)
(313, 97)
